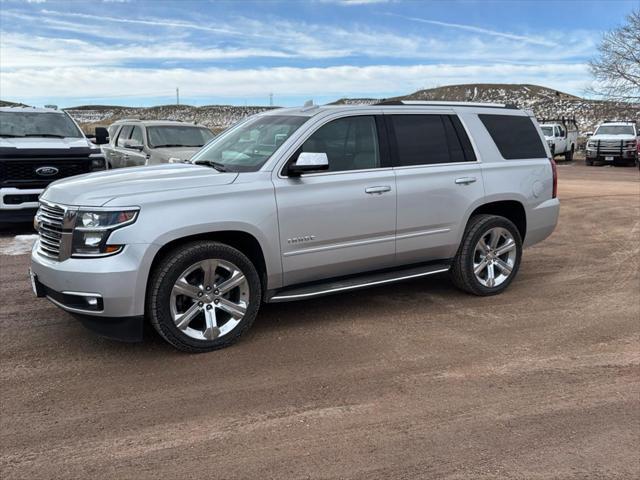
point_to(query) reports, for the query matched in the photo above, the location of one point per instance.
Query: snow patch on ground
(18, 245)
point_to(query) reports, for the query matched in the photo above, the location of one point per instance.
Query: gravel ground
(414, 380)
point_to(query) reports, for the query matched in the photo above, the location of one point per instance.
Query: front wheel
(489, 256)
(203, 296)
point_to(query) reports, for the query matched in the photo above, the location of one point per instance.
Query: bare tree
(617, 69)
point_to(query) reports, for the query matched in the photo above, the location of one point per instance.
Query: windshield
(247, 147)
(37, 124)
(615, 130)
(178, 136)
(547, 131)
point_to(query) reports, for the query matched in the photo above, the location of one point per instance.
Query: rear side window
(430, 139)
(516, 137)
(420, 139)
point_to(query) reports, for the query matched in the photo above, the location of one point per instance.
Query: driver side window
(350, 143)
(125, 132)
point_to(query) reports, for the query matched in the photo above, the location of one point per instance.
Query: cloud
(484, 31)
(378, 80)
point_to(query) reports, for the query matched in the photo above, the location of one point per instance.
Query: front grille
(50, 227)
(613, 146)
(22, 173)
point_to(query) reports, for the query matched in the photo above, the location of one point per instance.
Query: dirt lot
(414, 380)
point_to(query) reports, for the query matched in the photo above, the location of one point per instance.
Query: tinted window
(421, 140)
(515, 136)
(136, 135)
(350, 143)
(178, 136)
(37, 124)
(615, 130)
(124, 134)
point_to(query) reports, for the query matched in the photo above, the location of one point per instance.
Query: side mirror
(101, 137)
(133, 145)
(308, 162)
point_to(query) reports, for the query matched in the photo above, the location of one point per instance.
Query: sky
(128, 52)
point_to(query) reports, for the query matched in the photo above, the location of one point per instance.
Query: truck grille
(23, 173)
(50, 227)
(613, 146)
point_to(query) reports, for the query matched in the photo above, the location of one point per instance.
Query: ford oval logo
(47, 171)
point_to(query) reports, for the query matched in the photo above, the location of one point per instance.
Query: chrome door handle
(378, 190)
(465, 180)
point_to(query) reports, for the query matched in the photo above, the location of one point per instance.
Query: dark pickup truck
(39, 146)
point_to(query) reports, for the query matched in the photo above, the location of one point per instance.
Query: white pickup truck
(561, 136)
(614, 142)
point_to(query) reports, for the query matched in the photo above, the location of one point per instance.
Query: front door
(341, 221)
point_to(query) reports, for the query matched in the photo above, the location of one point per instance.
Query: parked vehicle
(132, 143)
(614, 142)
(293, 204)
(561, 136)
(37, 147)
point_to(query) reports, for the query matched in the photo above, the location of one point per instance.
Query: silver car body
(118, 155)
(314, 227)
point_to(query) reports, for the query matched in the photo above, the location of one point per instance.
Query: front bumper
(119, 281)
(624, 156)
(18, 205)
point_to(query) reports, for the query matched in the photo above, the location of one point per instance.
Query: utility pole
(177, 96)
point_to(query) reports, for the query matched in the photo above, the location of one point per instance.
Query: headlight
(92, 230)
(97, 162)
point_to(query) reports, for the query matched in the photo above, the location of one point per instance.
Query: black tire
(569, 155)
(588, 162)
(166, 273)
(462, 273)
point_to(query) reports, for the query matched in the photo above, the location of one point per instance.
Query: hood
(96, 189)
(44, 143)
(623, 136)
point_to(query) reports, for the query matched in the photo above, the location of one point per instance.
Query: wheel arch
(238, 239)
(510, 209)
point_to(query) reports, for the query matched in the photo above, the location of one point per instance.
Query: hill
(544, 102)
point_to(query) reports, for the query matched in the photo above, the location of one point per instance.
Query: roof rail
(445, 103)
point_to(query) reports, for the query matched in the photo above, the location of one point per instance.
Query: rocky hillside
(216, 117)
(544, 102)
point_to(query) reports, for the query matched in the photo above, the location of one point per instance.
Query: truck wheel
(588, 162)
(203, 296)
(489, 256)
(569, 154)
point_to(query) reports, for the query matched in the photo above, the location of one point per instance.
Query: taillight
(554, 170)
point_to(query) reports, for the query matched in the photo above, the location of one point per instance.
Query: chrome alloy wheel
(494, 257)
(209, 299)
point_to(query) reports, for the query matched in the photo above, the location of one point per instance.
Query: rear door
(341, 221)
(438, 180)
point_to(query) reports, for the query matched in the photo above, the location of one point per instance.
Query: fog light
(92, 301)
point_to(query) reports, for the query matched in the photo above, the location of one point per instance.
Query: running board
(329, 287)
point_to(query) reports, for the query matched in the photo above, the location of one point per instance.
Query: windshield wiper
(218, 166)
(47, 135)
(9, 135)
(170, 145)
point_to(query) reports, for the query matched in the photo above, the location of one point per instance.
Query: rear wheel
(489, 256)
(569, 154)
(203, 296)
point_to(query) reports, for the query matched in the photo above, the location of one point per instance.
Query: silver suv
(293, 204)
(133, 143)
